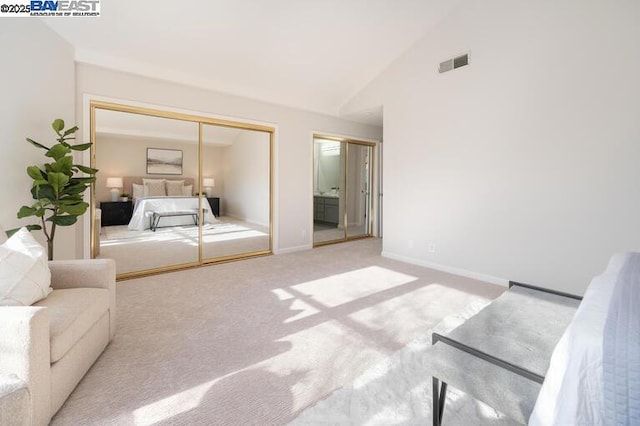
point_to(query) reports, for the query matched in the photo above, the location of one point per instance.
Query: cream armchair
(53, 343)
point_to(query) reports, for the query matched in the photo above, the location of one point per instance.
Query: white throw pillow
(139, 191)
(187, 190)
(24, 270)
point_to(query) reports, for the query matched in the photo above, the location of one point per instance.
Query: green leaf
(35, 173)
(40, 192)
(26, 211)
(30, 228)
(63, 165)
(66, 220)
(39, 145)
(70, 199)
(58, 181)
(70, 131)
(75, 189)
(58, 151)
(74, 209)
(81, 146)
(86, 169)
(83, 180)
(58, 125)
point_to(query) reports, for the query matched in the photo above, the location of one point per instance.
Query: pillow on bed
(174, 187)
(138, 191)
(187, 190)
(156, 189)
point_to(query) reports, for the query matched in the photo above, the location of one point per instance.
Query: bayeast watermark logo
(56, 8)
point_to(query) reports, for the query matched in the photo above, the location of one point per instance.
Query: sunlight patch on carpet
(344, 288)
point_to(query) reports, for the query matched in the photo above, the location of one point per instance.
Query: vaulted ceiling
(308, 54)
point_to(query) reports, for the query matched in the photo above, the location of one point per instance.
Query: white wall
(293, 161)
(246, 167)
(523, 165)
(37, 75)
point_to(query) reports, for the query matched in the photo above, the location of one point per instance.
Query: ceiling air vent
(451, 64)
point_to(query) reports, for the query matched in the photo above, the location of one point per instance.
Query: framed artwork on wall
(164, 161)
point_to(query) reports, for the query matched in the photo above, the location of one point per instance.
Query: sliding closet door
(186, 189)
(328, 190)
(146, 215)
(342, 178)
(358, 175)
(236, 172)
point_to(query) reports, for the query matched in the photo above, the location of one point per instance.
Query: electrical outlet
(432, 248)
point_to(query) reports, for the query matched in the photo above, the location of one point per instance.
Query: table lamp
(114, 183)
(208, 183)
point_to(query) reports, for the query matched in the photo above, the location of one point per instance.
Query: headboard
(128, 181)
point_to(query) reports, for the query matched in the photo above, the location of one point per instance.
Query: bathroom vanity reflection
(342, 177)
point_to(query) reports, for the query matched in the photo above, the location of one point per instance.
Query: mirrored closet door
(236, 166)
(342, 179)
(176, 190)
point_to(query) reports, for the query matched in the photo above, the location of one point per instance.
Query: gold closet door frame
(201, 120)
(345, 140)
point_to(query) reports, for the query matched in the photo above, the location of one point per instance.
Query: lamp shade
(208, 182)
(114, 182)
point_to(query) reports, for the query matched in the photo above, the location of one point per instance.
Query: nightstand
(116, 212)
(215, 205)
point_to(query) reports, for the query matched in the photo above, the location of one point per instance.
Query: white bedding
(573, 392)
(621, 352)
(145, 206)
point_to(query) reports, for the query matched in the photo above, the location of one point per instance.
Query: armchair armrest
(25, 352)
(94, 273)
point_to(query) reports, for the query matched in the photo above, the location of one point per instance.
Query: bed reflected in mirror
(175, 191)
(146, 190)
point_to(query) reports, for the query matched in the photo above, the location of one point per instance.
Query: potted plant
(57, 189)
(124, 197)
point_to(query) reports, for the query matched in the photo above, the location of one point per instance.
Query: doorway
(342, 189)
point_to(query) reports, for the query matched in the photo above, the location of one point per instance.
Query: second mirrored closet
(342, 189)
(176, 190)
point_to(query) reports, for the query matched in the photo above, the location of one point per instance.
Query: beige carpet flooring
(259, 341)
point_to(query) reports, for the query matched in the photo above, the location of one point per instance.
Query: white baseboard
(293, 249)
(450, 269)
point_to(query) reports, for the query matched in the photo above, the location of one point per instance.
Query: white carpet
(257, 342)
(397, 391)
